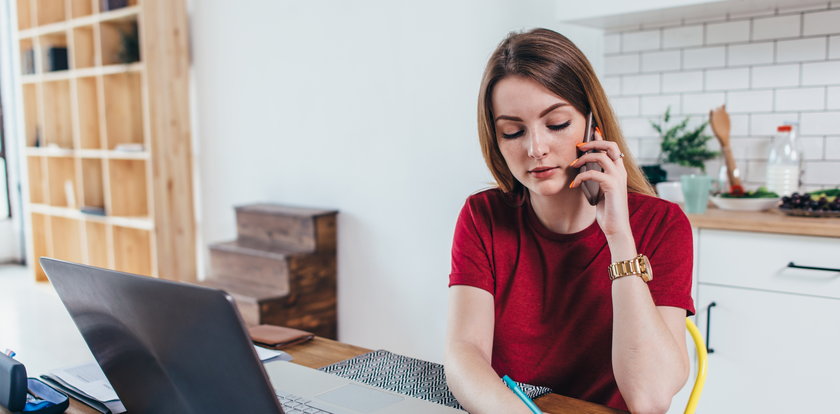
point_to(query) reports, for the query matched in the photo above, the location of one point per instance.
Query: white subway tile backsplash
(704, 57)
(770, 67)
(756, 172)
(834, 47)
(812, 148)
(682, 36)
(612, 43)
(832, 148)
(800, 99)
(821, 73)
(750, 148)
(766, 124)
(801, 50)
(824, 22)
(637, 127)
(640, 84)
(682, 81)
(776, 27)
(749, 101)
(644, 40)
(620, 64)
(750, 54)
(658, 104)
(833, 97)
(611, 85)
(649, 148)
(660, 61)
(702, 103)
(626, 106)
(777, 75)
(821, 173)
(820, 123)
(727, 79)
(739, 125)
(727, 32)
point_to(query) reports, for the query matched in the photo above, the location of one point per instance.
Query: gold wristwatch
(637, 266)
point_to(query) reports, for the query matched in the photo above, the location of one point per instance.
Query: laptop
(170, 347)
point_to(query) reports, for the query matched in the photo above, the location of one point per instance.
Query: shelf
(27, 58)
(55, 54)
(119, 14)
(140, 223)
(37, 179)
(32, 125)
(24, 14)
(70, 247)
(58, 119)
(87, 103)
(63, 188)
(132, 250)
(80, 8)
(128, 188)
(83, 47)
(96, 235)
(92, 188)
(40, 242)
(50, 11)
(80, 73)
(123, 109)
(87, 153)
(119, 41)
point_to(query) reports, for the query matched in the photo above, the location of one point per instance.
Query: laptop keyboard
(292, 404)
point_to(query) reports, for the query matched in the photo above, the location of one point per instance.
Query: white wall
(367, 107)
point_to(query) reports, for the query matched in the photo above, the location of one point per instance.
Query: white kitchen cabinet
(775, 331)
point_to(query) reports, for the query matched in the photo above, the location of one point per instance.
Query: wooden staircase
(281, 269)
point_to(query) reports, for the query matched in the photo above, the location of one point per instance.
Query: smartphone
(591, 189)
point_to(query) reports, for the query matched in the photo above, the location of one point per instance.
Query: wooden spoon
(719, 120)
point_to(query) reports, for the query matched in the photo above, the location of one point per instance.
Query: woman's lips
(543, 172)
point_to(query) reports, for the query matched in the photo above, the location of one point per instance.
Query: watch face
(647, 272)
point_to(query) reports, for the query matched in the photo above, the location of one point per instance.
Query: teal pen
(522, 396)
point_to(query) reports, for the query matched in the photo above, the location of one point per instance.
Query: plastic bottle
(784, 163)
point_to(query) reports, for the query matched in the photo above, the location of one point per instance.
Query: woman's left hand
(611, 212)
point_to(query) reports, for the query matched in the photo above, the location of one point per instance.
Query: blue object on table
(525, 399)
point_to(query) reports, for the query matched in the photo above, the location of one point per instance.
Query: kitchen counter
(771, 221)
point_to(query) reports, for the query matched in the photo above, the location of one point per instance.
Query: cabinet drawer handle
(709, 349)
(826, 269)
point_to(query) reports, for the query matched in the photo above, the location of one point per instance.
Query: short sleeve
(471, 263)
(672, 259)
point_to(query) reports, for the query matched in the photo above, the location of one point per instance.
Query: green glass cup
(696, 189)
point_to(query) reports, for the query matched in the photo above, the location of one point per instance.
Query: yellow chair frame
(700, 379)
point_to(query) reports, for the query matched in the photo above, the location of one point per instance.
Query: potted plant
(684, 147)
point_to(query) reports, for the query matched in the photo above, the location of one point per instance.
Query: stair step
(287, 227)
(250, 300)
(238, 264)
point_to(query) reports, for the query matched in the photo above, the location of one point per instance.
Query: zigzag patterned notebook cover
(406, 375)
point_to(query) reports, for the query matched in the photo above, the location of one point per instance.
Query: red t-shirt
(552, 295)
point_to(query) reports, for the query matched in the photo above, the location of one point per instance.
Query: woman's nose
(537, 146)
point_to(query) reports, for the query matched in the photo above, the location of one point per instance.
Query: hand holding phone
(590, 188)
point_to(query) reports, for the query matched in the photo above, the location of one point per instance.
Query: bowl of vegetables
(757, 200)
(821, 203)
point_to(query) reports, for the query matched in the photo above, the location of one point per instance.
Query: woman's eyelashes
(519, 133)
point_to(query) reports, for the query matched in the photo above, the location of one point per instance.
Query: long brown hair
(553, 61)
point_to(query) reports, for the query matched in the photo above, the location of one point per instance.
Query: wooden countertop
(771, 221)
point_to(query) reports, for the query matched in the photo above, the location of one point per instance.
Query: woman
(531, 293)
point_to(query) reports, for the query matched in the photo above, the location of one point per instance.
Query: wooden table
(321, 351)
(771, 221)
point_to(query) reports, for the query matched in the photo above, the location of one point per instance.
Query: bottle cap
(784, 128)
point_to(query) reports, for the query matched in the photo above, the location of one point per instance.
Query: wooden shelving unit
(106, 126)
